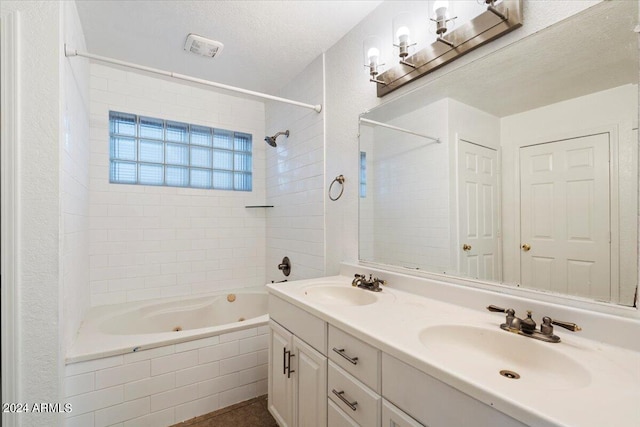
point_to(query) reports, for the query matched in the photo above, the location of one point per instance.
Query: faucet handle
(547, 322)
(496, 309)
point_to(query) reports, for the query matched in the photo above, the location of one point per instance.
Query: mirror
(520, 167)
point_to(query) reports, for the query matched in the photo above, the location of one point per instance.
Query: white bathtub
(131, 327)
(129, 366)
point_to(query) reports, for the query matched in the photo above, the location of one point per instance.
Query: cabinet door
(310, 385)
(280, 386)
(394, 417)
(337, 418)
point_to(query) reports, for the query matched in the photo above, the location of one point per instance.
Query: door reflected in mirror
(533, 178)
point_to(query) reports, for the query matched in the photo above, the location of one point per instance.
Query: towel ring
(340, 180)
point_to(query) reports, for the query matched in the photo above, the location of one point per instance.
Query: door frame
(459, 137)
(9, 203)
(614, 209)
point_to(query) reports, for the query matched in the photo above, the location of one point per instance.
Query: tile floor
(251, 413)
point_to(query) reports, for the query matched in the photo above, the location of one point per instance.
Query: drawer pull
(289, 371)
(340, 351)
(351, 405)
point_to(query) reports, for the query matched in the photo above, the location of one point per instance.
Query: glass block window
(363, 174)
(150, 151)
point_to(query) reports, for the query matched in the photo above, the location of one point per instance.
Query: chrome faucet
(371, 284)
(527, 327)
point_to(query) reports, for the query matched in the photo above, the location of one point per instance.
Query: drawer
(343, 390)
(337, 418)
(356, 357)
(303, 325)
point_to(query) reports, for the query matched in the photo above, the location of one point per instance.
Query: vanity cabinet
(354, 379)
(434, 403)
(297, 370)
(395, 417)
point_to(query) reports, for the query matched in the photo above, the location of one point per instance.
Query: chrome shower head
(271, 140)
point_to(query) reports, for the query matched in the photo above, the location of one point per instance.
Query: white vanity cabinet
(395, 417)
(297, 369)
(434, 403)
(354, 379)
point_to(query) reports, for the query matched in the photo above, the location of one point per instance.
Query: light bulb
(403, 34)
(373, 54)
(440, 8)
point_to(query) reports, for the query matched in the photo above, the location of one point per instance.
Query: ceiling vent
(202, 46)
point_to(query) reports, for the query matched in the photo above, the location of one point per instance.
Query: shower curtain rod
(69, 52)
(384, 125)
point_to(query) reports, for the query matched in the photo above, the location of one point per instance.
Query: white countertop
(607, 395)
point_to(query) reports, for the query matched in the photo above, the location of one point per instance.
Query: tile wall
(295, 180)
(149, 242)
(170, 384)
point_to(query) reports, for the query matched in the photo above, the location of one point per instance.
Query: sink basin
(481, 354)
(340, 295)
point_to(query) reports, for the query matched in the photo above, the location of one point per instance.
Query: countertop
(606, 390)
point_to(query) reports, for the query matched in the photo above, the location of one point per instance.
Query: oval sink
(482, 354)
(340, 295)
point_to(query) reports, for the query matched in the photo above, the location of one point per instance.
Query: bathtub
(131, 327)
(162, 362)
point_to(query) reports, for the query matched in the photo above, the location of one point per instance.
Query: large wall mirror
(519, 168)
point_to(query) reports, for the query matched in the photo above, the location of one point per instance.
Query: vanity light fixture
(372, 48)
(441, 18)
(500, 18)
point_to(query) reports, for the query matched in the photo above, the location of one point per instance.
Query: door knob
(466, 247)
(526, 247)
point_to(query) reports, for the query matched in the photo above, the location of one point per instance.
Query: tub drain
(510, 374)
(177, 329)
(241, 319)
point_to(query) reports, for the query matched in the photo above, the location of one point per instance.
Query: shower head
(271, 140)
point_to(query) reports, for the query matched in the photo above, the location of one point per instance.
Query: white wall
(614, 109)
(295, 180)
(74, 174)
(38, 282)
(150, 242)
(349, 93)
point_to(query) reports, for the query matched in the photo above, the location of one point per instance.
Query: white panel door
(564, 216)
(310, 385)
(478, 209)
(280, 385)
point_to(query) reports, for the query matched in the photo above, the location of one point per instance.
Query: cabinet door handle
(289, 371)
(284, 360)
(340, 395)
(340, 351)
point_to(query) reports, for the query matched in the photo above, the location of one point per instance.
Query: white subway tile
(174, 362)
(263, 357)
(197, 374)
(236, 395)
(262, 387)
(256, 343)
(92, 365)
(78, 384)
(149, 386)
(164, 418)
(197, 408)
(218, 352)
(238, 363)
(192, 345)
(174, 397)
(123, 412)
(84, 420)
(123, 374)
(95, 400)
(218, 384)
(252, 375)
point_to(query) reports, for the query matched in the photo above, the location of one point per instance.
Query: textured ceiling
(266, 43)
